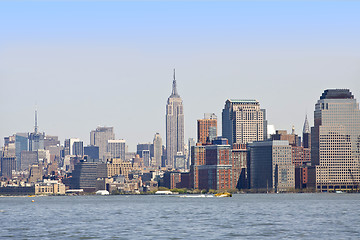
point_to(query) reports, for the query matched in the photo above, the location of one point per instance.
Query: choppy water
(245, 216)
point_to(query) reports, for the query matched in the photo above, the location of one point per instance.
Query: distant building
(51, 141)
(243, 121)
(174, 126)
(293, 139)
(271, 166)
(99, 137)
(21, 144)
(92, 152)
(207, 128)
(335, 141)
(85, 174)
(78, 148)
(116, 148)
(146, 158)
(36, 139)
(28, 158)
(306, 134)
(213, 168)
(8, 165)
(157, 146)
(143, 146)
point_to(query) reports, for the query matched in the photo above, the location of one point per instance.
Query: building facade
(157, 145)
(207, 128)
(335, 141)
(116, 148)
(271, 167)
(243, 121)
(99, 137)
(174, 126)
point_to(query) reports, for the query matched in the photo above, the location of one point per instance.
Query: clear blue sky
(110, 63)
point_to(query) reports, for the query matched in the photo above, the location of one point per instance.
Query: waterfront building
(243, 121)
(271, 166)
(212, 167)
(157, 146)
(50, 187)
(174, 126)
(99, 137)
(240, 169)
(85, 174)
(116, 148)
(207, 128)
(335, 141)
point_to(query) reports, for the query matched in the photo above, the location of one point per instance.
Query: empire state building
(174, 126)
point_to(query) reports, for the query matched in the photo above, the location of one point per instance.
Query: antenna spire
(174, 90)
(36, 126)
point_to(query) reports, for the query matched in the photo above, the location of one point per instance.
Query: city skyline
(86, 71)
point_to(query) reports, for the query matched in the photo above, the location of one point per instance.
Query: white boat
(102, 192)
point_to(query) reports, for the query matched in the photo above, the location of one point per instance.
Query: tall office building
(144, 146)
(306, 134)
(21, 144)
(157, 145)
(335, 141)
(99, 137)
(36, 139)
(174, 125)
(271, 165)
(116, 148)
(243, 121)
(207, 128)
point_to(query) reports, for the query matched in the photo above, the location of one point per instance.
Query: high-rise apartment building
(335, 141)
(174, 126)
(99, 137)
(116, 148)
(157, 145)
(207, 128)
(243, 121)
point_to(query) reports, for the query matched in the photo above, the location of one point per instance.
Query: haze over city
(110, 64)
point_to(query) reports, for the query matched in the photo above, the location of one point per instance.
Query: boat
(224, 194)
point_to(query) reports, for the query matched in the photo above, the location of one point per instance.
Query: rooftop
(337, 94)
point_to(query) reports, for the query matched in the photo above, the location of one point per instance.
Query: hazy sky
(87, 64)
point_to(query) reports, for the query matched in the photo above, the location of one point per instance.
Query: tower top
(36, 126)
(306, 128)
(174, 92)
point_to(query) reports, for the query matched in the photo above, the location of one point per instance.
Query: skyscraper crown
(174, 92)
(306, 128)
(337, 94)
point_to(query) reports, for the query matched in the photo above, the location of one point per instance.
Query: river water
(244, 216)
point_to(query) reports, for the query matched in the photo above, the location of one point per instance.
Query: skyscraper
(157, 145)
(306, 134)
(207, 128)
(116, 148)
(335, 141)
(174, 125)
(99, 137)
(36, 139)
(243, 121)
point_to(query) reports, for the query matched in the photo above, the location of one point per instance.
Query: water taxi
(224, 194)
